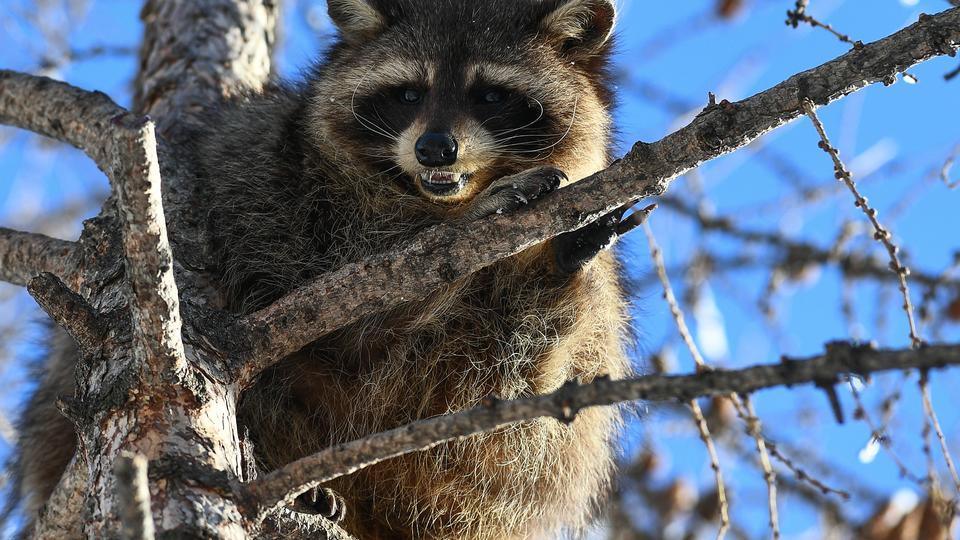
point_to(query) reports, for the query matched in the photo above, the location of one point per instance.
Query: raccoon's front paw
(511, 192)
(574, 249)
(323, 501)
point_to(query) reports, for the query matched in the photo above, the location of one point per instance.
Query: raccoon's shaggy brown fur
(303, 179)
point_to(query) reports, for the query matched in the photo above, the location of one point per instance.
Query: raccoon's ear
(356, 19)
(581, 28)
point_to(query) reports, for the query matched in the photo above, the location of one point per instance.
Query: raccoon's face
(445, 97)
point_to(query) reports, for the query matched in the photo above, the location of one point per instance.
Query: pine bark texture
(162, 367)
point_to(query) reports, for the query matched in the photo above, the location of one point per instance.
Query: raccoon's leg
(512, 192)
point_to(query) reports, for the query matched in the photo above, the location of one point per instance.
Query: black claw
(575, 249)
(517, 191)
(322, 501)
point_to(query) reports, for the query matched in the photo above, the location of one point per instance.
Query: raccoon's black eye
(492, 97)
(411, 96)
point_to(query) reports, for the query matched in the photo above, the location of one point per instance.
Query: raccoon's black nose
(436, 150)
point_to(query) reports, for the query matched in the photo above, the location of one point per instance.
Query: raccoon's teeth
(442, 183)
(441, 177)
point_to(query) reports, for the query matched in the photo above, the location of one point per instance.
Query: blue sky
(891, 136)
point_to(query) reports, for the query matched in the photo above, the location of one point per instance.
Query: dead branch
(282, 486)
(413, 269)
(24, 255)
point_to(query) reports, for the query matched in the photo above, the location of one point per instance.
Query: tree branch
(25, 255)
(414, 269)
(124, 146)
(69, 310)
(155, 303)
(282, 486)
(62, 112)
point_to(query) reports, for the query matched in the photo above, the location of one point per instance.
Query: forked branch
(125, 147)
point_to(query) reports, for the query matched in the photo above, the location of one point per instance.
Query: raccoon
(424, 112)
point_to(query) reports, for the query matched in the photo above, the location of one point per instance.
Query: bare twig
(133, 495)
(801, 474)
(799, 253)
(879, 435)
(881, 234)
(283, 485)
(25, 255)
(799, 15)
(932, 415)
(90, 53)
(799, 10)
(413, 270)
(657, 255)
(948, 76)
(711, 447)
(753, 428)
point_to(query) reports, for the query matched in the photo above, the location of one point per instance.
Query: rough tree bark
(162, 367)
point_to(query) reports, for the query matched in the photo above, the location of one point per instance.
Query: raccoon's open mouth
(442, 183)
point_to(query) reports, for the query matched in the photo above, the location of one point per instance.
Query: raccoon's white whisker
(384, 124)
(374, 127)
(385, 171)
(573, 119)
(370, 125)
(537, 119)
(378, 157)
(366, 122)
(530, 136)
(522, 142)
(492, 118)
(513, 157)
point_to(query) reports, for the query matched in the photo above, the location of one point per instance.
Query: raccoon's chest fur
(512, 330)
